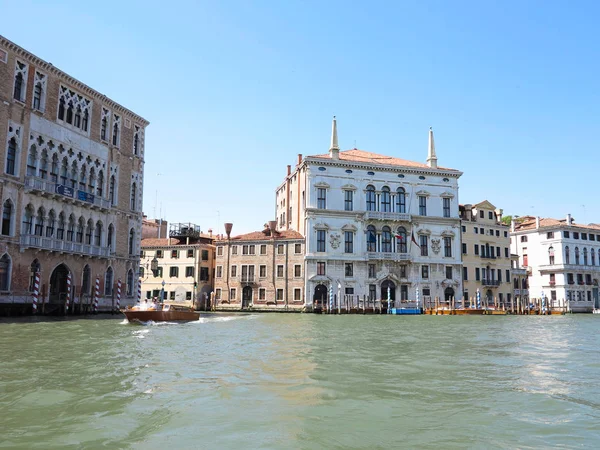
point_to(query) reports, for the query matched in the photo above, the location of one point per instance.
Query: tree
(506, 220)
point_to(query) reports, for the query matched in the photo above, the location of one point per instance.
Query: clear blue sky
(234, 90)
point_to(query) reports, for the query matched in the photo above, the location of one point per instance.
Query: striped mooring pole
(68, 293)
(330, 298)
(118, 294)
(36, 290)
(96, 294)
(139, 292)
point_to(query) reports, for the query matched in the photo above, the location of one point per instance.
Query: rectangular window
(233, 271)
(297, 294)
(297, 249)
(348, 200)
(280, 270)
(349, 291)
(476, 230)
(446, 207)
(372, 270)
(448, 247)
(218, 294)
(525, 261)
(280, 249)
(174, 254)
(349, 270)
(188, 295)
(262, 271)
(219, 271)
(448, 272)
(203, 274)
(234, 249)
(252, 249)
(575, 235)
(297, 270)
(402, 271)
(171, 295)
(481, 231)
(506, 252)
(279, 294)
(465, 274)
(507, 273)
(189, 271)
(190, 253)
(159, 272)
(476, 249)
(423, 241)
(584, 236)
(481, 214)
(566, 234)
(498, 252)
(425, 272)
(232, 294)
(320, 240)
(244, 249)
(477, 274)
(219, 251)
(464, 248)
(464, 229)
(422, 205)
(348, 242)
(490, 215)
(499, 275)
(592, 237)
(552, 279)
(320, 268)
(262, 294)
(321, 198)
(372, 292)
(570, 279)
(174, 272)
(263, 249)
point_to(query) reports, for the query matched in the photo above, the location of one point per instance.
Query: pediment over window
(424, 193)
(448, 233)
(322, 184)
(424, 231)
(447, 194)
(349, 187)
(321, 226)
(349, 227)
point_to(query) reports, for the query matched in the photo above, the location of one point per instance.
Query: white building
(374, 222)
(563, 259)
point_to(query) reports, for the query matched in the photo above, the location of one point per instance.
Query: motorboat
(162, 312)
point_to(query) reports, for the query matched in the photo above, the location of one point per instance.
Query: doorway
(320, 296)
(246, 296)
(448, 294)
(388, 290)
(58, 284)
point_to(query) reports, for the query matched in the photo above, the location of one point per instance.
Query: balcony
(36, 184)
(378, 215)
(57, 245)
(521, 291)
(490, 282)
(248, 279)
(573, 267)
(552, 283)
(488, 256)
(388, 256)
(519, 272)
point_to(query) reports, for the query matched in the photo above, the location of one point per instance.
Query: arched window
(33, 269)
(386, 202)
(386, 239)
(86, 280)
(74, 172)
(103, 127)
(77, 121)
(71, 229)
(85, 121)
(32, 162)
(11, 156)
(80, 230)
(70, 113)
(567, 255)
(89, 231)
(131, 241)
(54, 169)
(108, 281)
(39, 222)
(401, 244)
(7, 212)
(18, 93)
(585, 256)
(5, 272)
(116, 134)
(37, 96)
(136, 143)
(100, 184)
(64, 171)
(44, 165)
(98, 234)
(61, 109)
(109, 238)
(593, 255)
(111, 190)
(129, 282)
(92, 182)
(370, 198)
(51, 223)
(60, 229)
(576, 255)
(371, 239)
(28, 220)
(400, 200)
(83, 178)
(133, 196)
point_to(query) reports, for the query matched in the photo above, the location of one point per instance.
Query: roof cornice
(388, 168)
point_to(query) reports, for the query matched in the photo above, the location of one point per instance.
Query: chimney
(272, 227)
(228, 227)
(537, 222)
(334, 149)
(431, 156)
(299, 158)
(289, 171)
(210, 232)
(569, 219)
(512, 225)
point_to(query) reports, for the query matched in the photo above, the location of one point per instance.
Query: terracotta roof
(362, 156)
(262, 236)
(164, 242)
(529, 224)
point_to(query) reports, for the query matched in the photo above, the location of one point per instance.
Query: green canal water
(301, 382)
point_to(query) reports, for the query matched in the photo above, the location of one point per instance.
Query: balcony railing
(388, 256)
(57, 245)
(490, 282)
(378, 215)
(573, 267)
(488, 256)
(521, 272)
(247, 279)
(39, 184)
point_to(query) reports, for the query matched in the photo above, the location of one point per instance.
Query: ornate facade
(72, 182)
(374, 225)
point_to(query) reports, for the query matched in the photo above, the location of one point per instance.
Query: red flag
(399, 236)
(413, 238)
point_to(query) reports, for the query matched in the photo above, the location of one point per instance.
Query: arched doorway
(448, 294)
(58, 284)
(388, 288)
(489, 297)
(320, 296)
(246, 296)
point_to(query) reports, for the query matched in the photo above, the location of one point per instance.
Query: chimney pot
(289, 169)
(299, 158)
(569, 219)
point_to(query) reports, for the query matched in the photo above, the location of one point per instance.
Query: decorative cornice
(322, 184)
(349, 187)
(349, 227)
(32, 59)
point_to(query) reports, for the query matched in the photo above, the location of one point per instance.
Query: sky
(234, 90)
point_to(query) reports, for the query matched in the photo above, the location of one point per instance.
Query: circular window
(322, 169)
(348, 171)
(400, 175)
(371, 173)
(446, 180)
(421, 177)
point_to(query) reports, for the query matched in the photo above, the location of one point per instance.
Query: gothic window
(130, 282)
(585, 256)
(136, 140)
(80, 230)
(54, 168)
(44, 165)
(371, 198)
(83, 178)
(567, 255)
(51, 223)
(60, 230)
(88, 232)
(98, 234)
(32, 162)
(131, 242)
(111, 190)
(28, 220)
(77, 121)
(401, 244)
(400, 200)
(39, 222)
(74, 172)
(85, 121)
(116, 131)
(61, 109)
(39, 92)
(92, 181)
(133, 196)
(5, 272)
(108, 281)
(20, 81)
(371, 239)
(71, 229)
(104, 124)
(109, 238)
(64, 171)
(7, 212)
(77, 108)
(11, 156)
(100, 184)
(576, 255)
(386, 239)
(386, 205)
